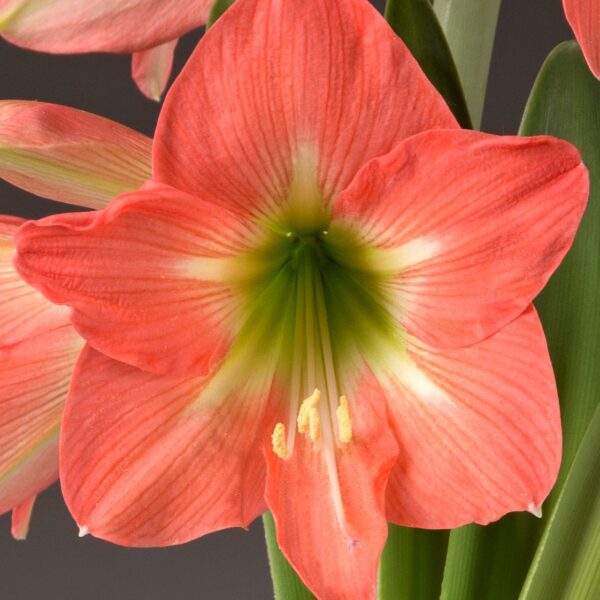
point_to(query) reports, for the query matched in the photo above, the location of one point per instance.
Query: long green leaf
(286, 583)
(567, 564)
(491, 562)
(470, 27)
(412, 564)
(565, 102)
(416, 23)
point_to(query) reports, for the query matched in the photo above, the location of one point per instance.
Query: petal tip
(535, 510)
(83, 531)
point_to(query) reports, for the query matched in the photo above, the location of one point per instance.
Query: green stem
(470, 27)
(412, 564)
(286, 583)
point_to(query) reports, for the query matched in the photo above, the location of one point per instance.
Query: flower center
(313, 300)
(310, 306)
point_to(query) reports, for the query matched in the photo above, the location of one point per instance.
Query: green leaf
(567, 564)
(218, 8)
(470, 27)
(490, 562)
(565, 102)
(416, 23)
(412, 564)
(286, 583)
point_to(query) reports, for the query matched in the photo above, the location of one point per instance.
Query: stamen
(343, 420)
(279, 442)
(314, 430)
(308, 416)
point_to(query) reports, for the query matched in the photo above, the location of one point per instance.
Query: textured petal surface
(275, 83)
(474, 225)
(144, 277)
(21, 516)
(584, 18)
(70, 155)
(67, 26)
(24, 311)
(478, 429)
(151, 460)
(331, 518)
(38, 348)
(34, 378)
(151, 69)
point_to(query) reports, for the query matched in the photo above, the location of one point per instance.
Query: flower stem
(412, 564)
(286, 583)
(470, 27)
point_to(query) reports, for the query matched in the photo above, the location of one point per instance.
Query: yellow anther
(314, 430)
(343, 418)
(308, 414)
(279, 441)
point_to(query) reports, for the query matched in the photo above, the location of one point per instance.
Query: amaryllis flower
(584, 18)
(149, 29)
(321, 305)
(75, 157)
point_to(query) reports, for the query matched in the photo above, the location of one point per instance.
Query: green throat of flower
(313, 302)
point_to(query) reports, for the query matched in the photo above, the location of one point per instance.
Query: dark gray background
(54, 563)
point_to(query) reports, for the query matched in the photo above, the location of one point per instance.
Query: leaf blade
(416, 23)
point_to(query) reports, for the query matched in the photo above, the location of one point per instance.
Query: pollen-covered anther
(279, 442)
(342, 414)
(308, 416)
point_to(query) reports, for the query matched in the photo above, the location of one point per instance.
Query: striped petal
(147, 278)
(24, 312)
(21, 517)
(150, 460)
(478, 429)
(584, 18)
(471, 226)
(34, 379)
(69, 155)
(38, 348)
(328, 85)
(151, 69)
(71, 26)
(329, 502)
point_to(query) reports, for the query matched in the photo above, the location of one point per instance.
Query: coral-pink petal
(584, 18)
(73, 26)
(479, 430)
(273, 81)
(477, 224)
(70, 155)
(21, 517)
(135, 277)
(144, 462)
(38, 348)
(24, 312)
(34, 379)
(151, 69)
(336, 555)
